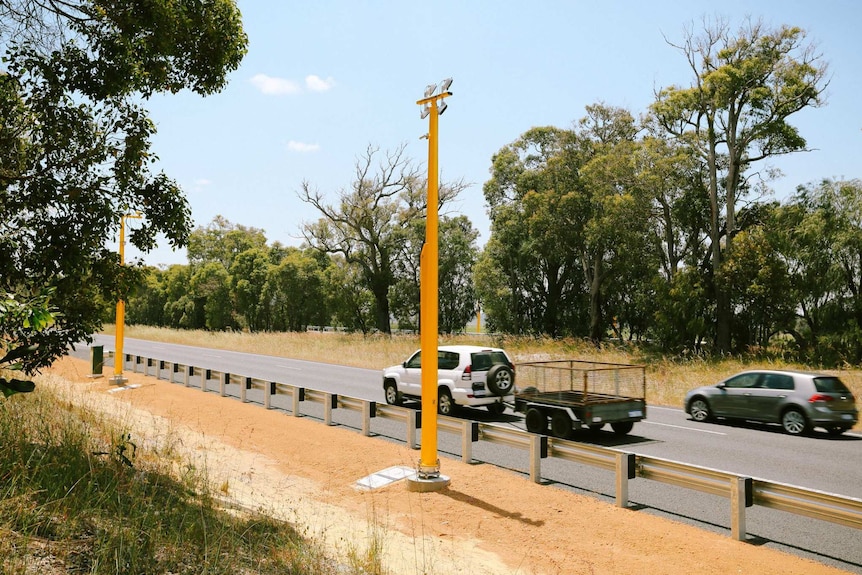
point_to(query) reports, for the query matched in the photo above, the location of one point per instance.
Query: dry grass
(667, 379)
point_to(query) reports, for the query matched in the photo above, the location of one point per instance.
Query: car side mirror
(720, 386)
(404, 365)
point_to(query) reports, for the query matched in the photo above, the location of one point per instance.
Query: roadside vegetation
(79, 495)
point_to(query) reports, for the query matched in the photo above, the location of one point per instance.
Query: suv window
(480, 361)
(415, 362)
(830, 385)
(777, 381)
(448, 359)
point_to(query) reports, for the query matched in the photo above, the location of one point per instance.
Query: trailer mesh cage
(580, 381)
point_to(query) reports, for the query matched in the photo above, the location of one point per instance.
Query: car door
(767, 399)
(411, 378)
(733, 400)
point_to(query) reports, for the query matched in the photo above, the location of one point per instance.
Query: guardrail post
(298, 395)
(625, 470)
(414, 422)
(225, 379)
(538, 450)
(244, 389)
(175, 369)
(330, 402)
(369, 410)
(135, 359)
(268, 392)
(469, 434)
(190, 371)
(741, 496)
(205, 376)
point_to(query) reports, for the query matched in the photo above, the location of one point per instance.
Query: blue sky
(324, 80)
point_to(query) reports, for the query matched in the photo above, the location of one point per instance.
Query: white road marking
(289, 367)
(684, 427)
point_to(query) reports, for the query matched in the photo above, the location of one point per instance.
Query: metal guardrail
(742, 491)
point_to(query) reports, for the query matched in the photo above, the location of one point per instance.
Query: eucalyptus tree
(818, 232)
(221, 241)
(247, 281)
(76, 146)
(365, 225)
(529, 275)
(747, 84)
(295, 293)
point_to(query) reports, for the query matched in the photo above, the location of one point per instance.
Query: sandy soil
(306, 472)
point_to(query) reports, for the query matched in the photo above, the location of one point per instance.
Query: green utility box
(97, 360)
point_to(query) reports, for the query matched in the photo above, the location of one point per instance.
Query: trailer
(569, 395)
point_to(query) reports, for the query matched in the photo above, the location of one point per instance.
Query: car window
(777, 381)
(447, 359)
(743, 380)
(480, 361)
(415, 362)
(830, 385)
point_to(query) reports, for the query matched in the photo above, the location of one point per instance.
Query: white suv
(468, 375)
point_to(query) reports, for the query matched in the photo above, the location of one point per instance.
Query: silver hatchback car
(798, 400)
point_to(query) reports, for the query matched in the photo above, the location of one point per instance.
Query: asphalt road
(817, 461)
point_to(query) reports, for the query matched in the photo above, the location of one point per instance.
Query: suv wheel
(445, 404)
(393, 397)
(500, 379)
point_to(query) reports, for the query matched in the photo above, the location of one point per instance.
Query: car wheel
(445, 404)
(393, 396)
(561, 424)
(622, 427)
(496, 408)
(537, 422)
(699, 410)
(794, 422)
(500, 379)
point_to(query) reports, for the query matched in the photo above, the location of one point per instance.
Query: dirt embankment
(489, 521)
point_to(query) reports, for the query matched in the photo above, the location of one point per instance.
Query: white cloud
(202, 182)
(274, 86)
(318, 84)
(302, 147)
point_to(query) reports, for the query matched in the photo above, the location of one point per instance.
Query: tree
(76, 146)
(529, 275)
(819, 236)
(365, 225)
(746, 86)
(457, 254)
(248, 273)
(295, 291)
(222, 241)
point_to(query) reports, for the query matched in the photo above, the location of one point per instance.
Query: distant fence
(742, 491)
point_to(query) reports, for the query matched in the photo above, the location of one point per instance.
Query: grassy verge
(77, 495)
(668, 379)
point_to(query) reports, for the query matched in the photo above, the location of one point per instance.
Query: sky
(324, 80)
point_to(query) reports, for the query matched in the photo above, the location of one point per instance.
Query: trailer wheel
(500, 379)
(622, 427)
(561, 424)
(496, 408)
(596, 426)
(537, 422)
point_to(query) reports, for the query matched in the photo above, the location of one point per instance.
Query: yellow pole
(121, 313)
(121, 308)
(429, 464)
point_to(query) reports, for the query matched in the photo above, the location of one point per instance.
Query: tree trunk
(596, 301)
